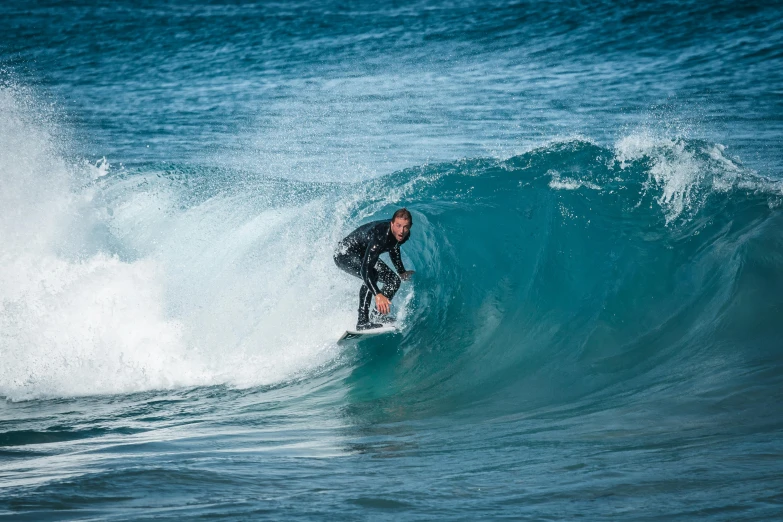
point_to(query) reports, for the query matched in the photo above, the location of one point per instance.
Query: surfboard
(354, 334)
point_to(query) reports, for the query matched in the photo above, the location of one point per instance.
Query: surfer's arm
(368, 260)
(396, 259)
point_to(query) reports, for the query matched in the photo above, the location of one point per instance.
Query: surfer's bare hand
(406, 275)
(382, 303)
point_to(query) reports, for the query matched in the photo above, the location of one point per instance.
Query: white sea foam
(686, 172)
(559, 182)
(217, 292)
(73, 319)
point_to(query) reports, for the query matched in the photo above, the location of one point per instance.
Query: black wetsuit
(358, 254)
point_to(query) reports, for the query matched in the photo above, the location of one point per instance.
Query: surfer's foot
(367, 326)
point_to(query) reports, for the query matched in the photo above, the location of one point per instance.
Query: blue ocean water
(594, 328)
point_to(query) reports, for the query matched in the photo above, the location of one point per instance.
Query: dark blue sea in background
(595, 328)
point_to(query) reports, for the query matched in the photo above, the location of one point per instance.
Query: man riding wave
(359, 255)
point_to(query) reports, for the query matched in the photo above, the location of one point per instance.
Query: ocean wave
(570, 267)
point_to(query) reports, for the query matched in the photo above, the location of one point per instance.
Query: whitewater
(594, 325)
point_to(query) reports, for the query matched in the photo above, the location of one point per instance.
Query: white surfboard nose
(356, 334)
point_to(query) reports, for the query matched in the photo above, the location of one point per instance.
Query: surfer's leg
(352, 266)
(390, 280)
(391, 283)
(349, 264)
(365, 300)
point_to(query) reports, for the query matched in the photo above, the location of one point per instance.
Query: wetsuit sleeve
(369, 259)
(396, 258)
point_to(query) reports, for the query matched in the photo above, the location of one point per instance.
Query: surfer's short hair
(403, 214)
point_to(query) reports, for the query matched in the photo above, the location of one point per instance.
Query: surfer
(358, 254)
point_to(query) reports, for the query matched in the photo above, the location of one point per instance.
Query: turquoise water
(594, 325)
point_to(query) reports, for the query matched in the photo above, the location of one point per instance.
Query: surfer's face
(400, 228)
